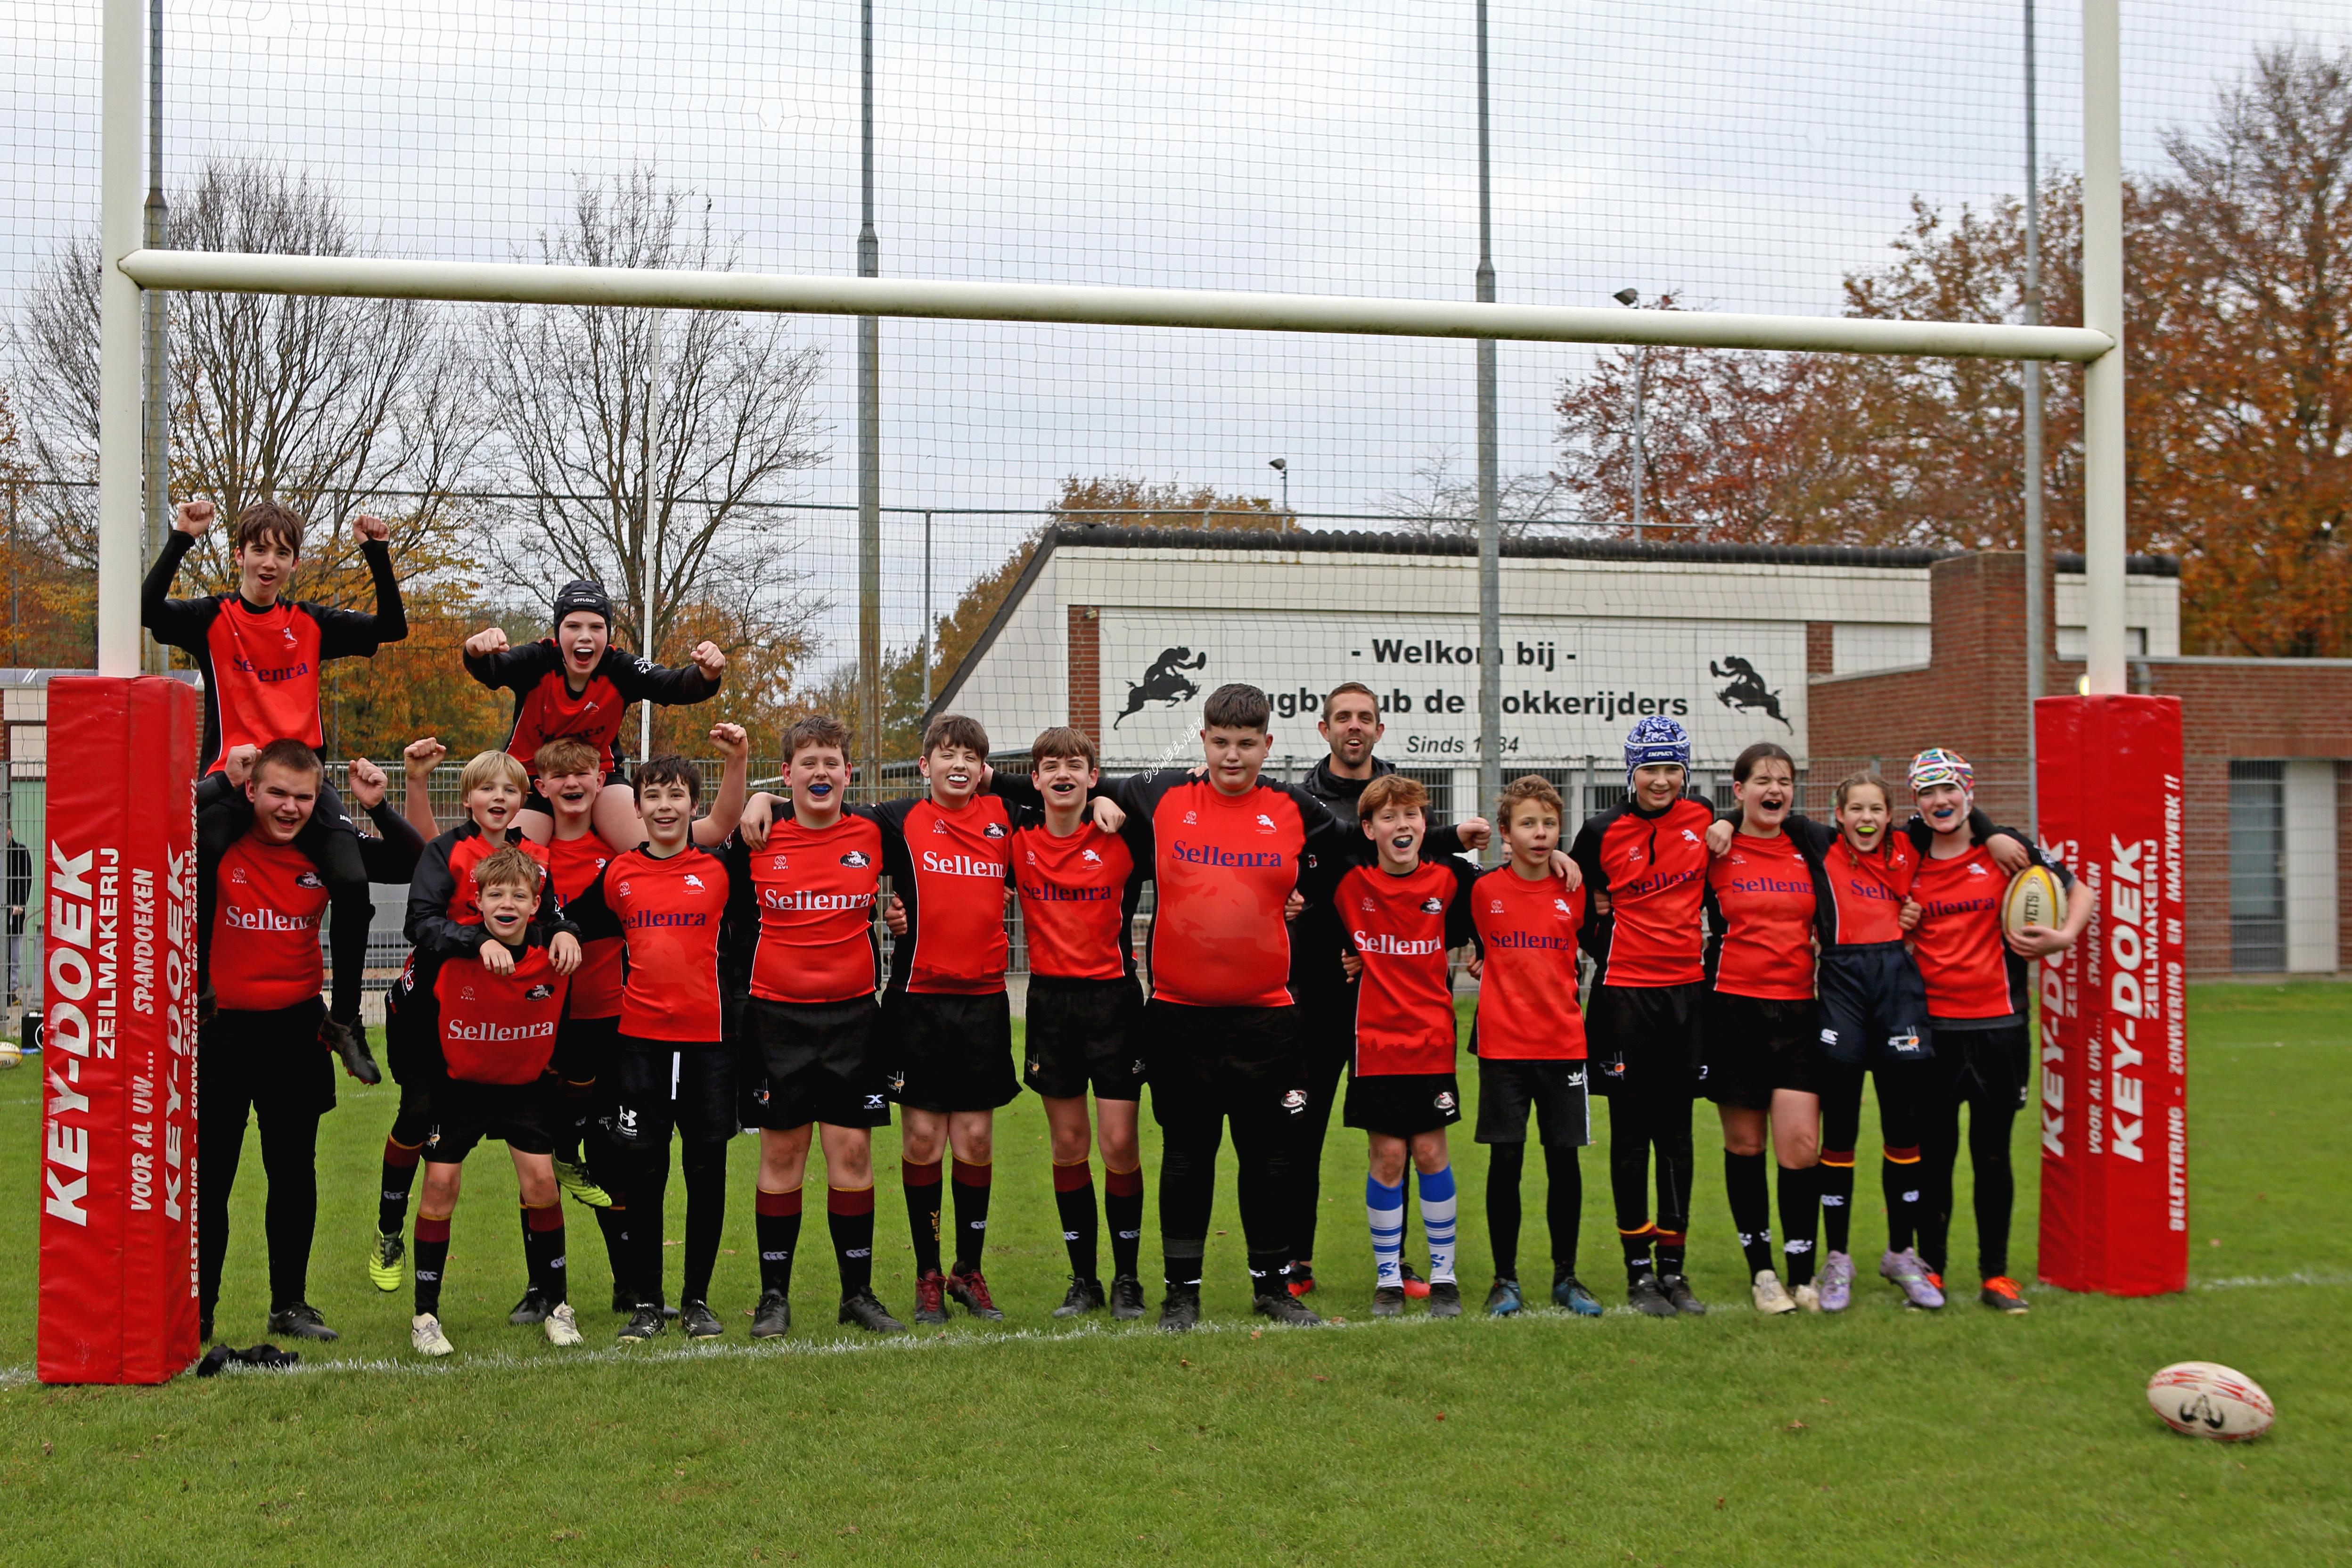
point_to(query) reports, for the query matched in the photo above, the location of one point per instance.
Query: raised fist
(192, 516)
(485, 642)
(710, 659)
(238, 764)
(422, 755)
(370, 530)
(367, 783)
(732, 740)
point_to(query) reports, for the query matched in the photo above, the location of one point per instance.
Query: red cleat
(1302, 1277)
(1415, 1286)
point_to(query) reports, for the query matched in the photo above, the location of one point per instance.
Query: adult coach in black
(1225, 849)
(1351, 727)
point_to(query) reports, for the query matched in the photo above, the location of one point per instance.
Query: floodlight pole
(120, 413)
(869, 433)
(1490, 526)
(2037, 630)
(159, 327)
(2103, 378)
(927, 614)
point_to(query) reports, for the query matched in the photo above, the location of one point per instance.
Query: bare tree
(735, 424)
(1445, 501)
(333, 407)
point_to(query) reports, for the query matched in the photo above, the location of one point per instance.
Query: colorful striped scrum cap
(1654, 740)
(1941, 765)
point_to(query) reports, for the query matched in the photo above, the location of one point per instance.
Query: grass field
(1878, 1437)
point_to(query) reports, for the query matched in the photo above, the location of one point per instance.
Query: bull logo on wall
(1746, 693)
(1163, 683)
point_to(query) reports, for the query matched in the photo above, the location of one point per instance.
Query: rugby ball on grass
(2205, 1399)
(2035, 899)
(10, 1056)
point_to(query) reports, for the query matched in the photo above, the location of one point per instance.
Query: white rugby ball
(2205, 1399)
(10, 1057)
(2035, 899)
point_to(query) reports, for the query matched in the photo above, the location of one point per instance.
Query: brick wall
(1820, 647)
(1974, 700)
(1086, 671)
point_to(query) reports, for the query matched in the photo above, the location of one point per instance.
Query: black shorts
(272, 1061)
(707, 1105)
(584, 1048)
(522, 1115)
(539, 803)
(1752, 1045)
(1084, 1032)
(1644, 1037)
(410, 1050)
(1984, 1066)
(1401, 1104)
(944, 1053)
(1874, 1005)
(1206, 1063)
(1511, 1087)
(813, 1062)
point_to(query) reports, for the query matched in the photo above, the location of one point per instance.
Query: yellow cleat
(574, 1179)
(385, 1260)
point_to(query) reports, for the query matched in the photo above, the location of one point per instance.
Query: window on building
(2258, 867)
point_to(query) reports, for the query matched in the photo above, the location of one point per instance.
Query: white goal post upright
(129, 269)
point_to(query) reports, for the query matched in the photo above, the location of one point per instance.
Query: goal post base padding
(2110, 1086)
(118, 1289)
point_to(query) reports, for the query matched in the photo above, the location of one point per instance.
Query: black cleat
(1388, 1301)
(967, 1286)
(302, 1322)
(698, 1321)
(931, 1297)
(1679, 1291)
(347, 1040)
(1642, 1294)
(1127, 1297)
(644, 1323)
(1444, 1299)
(532, 1309)
(1285, 1307)
(1084, 1295)
(773, 1318)
(625, 1303)
(867, 1312)
(204, 1329)
(1180, 1310)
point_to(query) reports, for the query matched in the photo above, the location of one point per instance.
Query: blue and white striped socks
(1384, 1209)
(1437, 1209)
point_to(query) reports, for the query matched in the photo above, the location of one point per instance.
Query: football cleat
(1807, 1296)
(773, 1318)
(2002, 1294)
(1180, 1310)
(969, 1290)
(1388, 1301)
(302, 1322)
(563, 1328)
(574, 1178)
(697, 1321)
(1444, 1299)
(384, 1261)
(1837, 1282)
(1678, 1291)
(1772, 1298)
(1643, 1295)
(1414, 1285)
(1084, 1295)
(930, 1298)
(1504, 1299)
(1569, 1291)
(424, 1336)
(1285, 1308)
(644, 1323)
(1127, 1297)
(1302, 1277)
(867, 1310)
(349, 1041)
(1910, 1276)
(531, 1309)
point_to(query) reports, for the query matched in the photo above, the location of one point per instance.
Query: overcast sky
(1745, 155)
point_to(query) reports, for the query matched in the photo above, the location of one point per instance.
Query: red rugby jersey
(1402, 928)
(801, 910)
(546, 707)
(1654, 869)
(573, 866)
(1078, 901)
(670, 909)
(951, 869)
(445, 910)
(264, 949)
(1225, 866)
(499, 1029)
(1527, 930)
(1867, 891)
(1761, 890)
(1957, 943)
